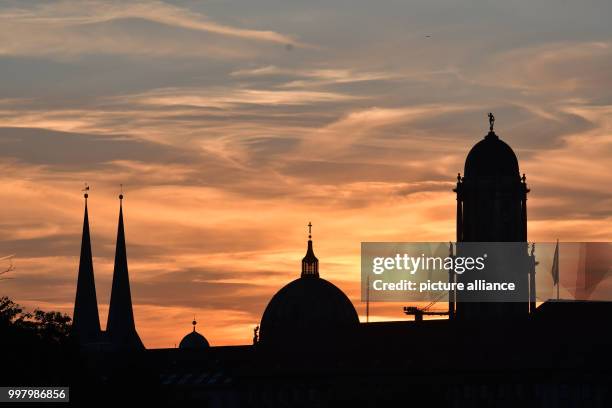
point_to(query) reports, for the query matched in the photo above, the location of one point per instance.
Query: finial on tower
(86, 190)
(310, 263)
(491, 121)
(194, 323)
(120, 191)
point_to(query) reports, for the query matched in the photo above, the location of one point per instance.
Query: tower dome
(492, 207)
(307, 310)
(491, 157)
(194, 340)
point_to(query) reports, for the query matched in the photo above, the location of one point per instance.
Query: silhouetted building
(120, 331)
(194, 340)
(313, 351)
(492, 207)
(120, 328)
(85, 319)
(309, 310)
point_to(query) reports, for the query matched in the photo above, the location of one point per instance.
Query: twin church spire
(120, 328)
(86, 321)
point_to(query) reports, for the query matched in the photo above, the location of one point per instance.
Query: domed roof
(491, 157)
(194, 340)
(305, 306)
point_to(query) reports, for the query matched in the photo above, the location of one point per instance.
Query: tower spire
(120, 326)
(86, 321)
(310, 263)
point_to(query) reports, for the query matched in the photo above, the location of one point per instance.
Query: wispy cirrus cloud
(557, 67)
(310, 78)
(67, 13)
(147, 28)
(228, 97)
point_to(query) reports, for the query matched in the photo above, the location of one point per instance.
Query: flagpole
(558, 270)
(368, 300)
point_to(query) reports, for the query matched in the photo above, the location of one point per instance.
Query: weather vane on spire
(491, 121)
(121, 191)
(86, 190)
(309, 230)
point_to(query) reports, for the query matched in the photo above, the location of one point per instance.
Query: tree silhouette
(10, 312)
(36, 345)
(8, 269)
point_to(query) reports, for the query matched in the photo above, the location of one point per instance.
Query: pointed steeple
(120, 327)
(310, 263)
(86, 321)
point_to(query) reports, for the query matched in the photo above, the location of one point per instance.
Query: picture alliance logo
(411, 264)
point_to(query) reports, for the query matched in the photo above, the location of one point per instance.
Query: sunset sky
(232, 124)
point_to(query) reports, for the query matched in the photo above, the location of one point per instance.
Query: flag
(555, 266)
